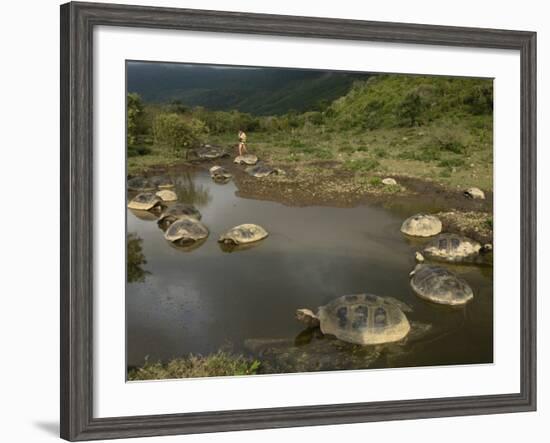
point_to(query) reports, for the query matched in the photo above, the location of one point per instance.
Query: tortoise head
(415, 270)
(307, 317)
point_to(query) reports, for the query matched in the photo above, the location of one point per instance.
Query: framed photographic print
(272, 221)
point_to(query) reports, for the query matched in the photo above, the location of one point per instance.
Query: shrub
(380, 152)
(410, 108)
(480, 99)
(135, 151)
(451, 162)
(448, 137)
(324, 154)
(373, 114)
(177, 132)
(375, 181)
(362, 165)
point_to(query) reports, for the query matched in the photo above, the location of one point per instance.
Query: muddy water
(201, 300)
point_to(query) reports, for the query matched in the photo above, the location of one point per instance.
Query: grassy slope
(366, 131)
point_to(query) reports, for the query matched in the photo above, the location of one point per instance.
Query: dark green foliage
(373, 114)
(135, 151)
(176, 106)
(480, 99)
(410, 109)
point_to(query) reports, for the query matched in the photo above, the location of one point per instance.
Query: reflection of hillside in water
(189, 191)
(135, 259)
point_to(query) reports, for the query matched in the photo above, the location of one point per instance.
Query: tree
(133, 116)
(178, 132)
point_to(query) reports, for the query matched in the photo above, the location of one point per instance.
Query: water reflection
(145, 215)
(188, 246)
(135, 259)
(190, 191)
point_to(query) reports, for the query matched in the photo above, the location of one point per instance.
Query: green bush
(177, 132)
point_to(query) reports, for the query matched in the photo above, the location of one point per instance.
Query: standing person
(242, 142)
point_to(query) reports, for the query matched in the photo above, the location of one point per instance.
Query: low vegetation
(215, 365)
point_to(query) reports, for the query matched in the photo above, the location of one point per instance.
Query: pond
(205, 299)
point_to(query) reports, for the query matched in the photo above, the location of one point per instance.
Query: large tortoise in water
(144, 201)
(162, 182)
(363, 319)
(186, 230)
(219, 174)
(439, 285)
(422, 225)
(176, 211)
(243, 234)
(140, 184)
(453, 248)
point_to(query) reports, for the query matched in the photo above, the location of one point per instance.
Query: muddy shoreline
(327, 184)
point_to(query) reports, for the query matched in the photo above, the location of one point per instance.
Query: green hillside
(265, 91)
(436, 128)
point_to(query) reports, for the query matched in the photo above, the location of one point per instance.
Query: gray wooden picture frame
(77, 23)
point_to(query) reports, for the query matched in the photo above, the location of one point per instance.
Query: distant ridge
(259, 91)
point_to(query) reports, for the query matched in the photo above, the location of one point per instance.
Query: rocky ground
(326, 183)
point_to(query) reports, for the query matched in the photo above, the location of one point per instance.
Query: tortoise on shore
(144, 201)
(140, 184)
(452, 248)
(242, 234)
(210, 152)
(439, 285)
(162, 182)
(422, 225)
(260, 171)
(167, 195)
(389, 181)
(219, 173)
(474, 193)
(247, 159)
(176, 211)
(363, 319)
(186, 230)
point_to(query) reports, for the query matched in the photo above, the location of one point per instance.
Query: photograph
(283, 220)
